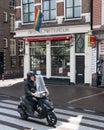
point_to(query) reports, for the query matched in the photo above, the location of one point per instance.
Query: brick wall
(97, 4)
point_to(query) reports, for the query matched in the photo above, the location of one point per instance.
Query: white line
(73, 122)
(70, 112)
(8, 105)
(78, 99)
(90, 116)
(3, 127)
(60, 125)
(11, 101)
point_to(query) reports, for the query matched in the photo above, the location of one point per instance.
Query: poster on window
(60, 70)
(94, 58)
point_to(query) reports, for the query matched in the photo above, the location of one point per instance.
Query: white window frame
(5, 43)
(25, 23)
(50, 20)
(12, 23)
(12, 47)
(21, 47)
(5, 18)
(12, 3)
(73, 17)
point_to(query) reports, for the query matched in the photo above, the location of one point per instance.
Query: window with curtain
(5, 17)
(12, 47)
(73, 8)
(49, 10)
(13, 52)
(12, 22)
(28, 11)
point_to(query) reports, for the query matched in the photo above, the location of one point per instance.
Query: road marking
(67, 119)
(3, 127)
(78, 99)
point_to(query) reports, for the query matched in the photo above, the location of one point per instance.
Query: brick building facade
(9, 61)
(60, 50)
(98, 26)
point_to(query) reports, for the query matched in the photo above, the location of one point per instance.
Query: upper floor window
(28, 11)
(5, 17)
(5, 43)
(12, 23)
(12, 3)
(73, 8)
(49, 10)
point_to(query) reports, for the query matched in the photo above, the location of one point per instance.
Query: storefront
(59, 57)
(59, 53)
(50, 56)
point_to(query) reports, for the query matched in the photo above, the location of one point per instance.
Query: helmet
(29, 74)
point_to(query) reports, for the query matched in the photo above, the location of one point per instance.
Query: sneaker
(36, 113)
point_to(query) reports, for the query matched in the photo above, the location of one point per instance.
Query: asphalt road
(65, 96)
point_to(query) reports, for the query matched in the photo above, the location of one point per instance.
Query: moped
(44, 108)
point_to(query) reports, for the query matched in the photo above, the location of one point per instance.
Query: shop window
(28, 11)
(49, 10)
(38, 57)
(80, 43)
(73, 8)
(60, 53)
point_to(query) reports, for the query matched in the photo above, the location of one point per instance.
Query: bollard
(2, 76)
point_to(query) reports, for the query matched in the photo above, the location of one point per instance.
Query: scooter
(44, 108)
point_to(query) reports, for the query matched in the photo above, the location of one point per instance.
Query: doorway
(80, 69)
(1, 63)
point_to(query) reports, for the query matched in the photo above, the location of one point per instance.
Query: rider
(30, 91)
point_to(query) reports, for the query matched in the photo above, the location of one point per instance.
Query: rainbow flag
(37, 19)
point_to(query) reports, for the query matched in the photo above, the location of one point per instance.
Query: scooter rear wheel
(22, 113)
(51, 118)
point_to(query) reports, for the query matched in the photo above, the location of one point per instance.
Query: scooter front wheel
(51, 118)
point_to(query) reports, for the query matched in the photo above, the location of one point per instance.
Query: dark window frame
(73, 9)
(48, 10)
(12, 3)
(28, 12)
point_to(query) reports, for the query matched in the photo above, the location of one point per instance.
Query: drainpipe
(91, 16)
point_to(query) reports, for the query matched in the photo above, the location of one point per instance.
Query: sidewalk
(66, 96)
(10, 82)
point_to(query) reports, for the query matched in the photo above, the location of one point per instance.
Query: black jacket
(30, 87)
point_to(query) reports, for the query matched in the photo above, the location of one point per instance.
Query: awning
(48, 38)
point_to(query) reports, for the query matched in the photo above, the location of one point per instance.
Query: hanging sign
(91, 40)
